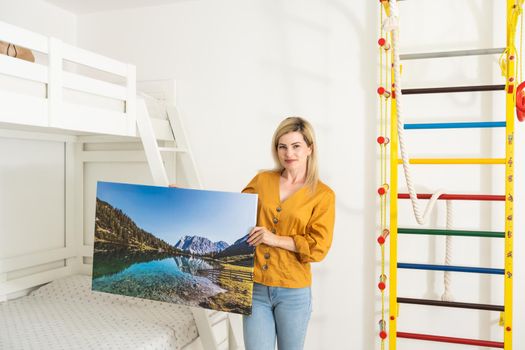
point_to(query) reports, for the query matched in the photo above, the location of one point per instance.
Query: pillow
(16, 51)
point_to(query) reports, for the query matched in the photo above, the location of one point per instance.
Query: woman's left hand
(260, 235)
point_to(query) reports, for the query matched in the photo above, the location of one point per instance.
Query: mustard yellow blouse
(307, 218)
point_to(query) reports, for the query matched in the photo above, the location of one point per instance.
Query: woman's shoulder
(324, 190)
(259, 182)
(265, 175)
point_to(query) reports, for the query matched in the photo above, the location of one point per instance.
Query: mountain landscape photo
(151, 260)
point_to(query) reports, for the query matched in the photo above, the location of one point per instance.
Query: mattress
(66, 314)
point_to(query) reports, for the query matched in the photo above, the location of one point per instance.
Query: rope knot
(391, 23)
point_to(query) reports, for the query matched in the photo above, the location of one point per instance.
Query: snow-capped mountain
(200, 245)
(221, 245)
(239, 247)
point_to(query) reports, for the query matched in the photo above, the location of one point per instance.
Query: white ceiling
(88, 6)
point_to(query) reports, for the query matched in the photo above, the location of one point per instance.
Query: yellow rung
(454, 161)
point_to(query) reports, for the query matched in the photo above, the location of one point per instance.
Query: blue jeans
(281, 313)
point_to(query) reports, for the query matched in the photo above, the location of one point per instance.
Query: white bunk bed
(90, 104)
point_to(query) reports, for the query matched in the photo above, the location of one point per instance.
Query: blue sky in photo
(170, 213)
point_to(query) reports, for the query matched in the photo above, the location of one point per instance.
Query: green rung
(418, 231)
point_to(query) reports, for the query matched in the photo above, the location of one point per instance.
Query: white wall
(41, 17)
(242, 66)
(32, 196)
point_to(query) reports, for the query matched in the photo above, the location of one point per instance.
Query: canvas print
(175, 245)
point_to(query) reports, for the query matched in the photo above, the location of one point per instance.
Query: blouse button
(279, 209)
(267, 255)
(275, 220)
(265, 267)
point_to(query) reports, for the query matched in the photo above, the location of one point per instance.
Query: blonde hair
(298, 124)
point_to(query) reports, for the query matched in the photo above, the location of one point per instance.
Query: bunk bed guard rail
(52, 109)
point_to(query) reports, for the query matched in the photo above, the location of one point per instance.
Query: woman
(295, 221)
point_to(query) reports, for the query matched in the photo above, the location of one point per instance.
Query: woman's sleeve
(314, 245)
(252, 186)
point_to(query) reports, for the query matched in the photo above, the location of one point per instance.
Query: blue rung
(460, 125)
(451, 268)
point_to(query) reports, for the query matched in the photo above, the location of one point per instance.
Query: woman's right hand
(260, 235)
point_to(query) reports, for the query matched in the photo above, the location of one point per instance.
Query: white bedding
(66, 314)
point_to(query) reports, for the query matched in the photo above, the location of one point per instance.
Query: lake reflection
(172, 279)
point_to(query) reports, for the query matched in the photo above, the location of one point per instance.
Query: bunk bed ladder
(208, 322)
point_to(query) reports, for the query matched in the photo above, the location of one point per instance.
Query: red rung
(437, 338)
(471, 197)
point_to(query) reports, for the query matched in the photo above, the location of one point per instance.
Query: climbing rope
(391, 24)
(447, 294)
